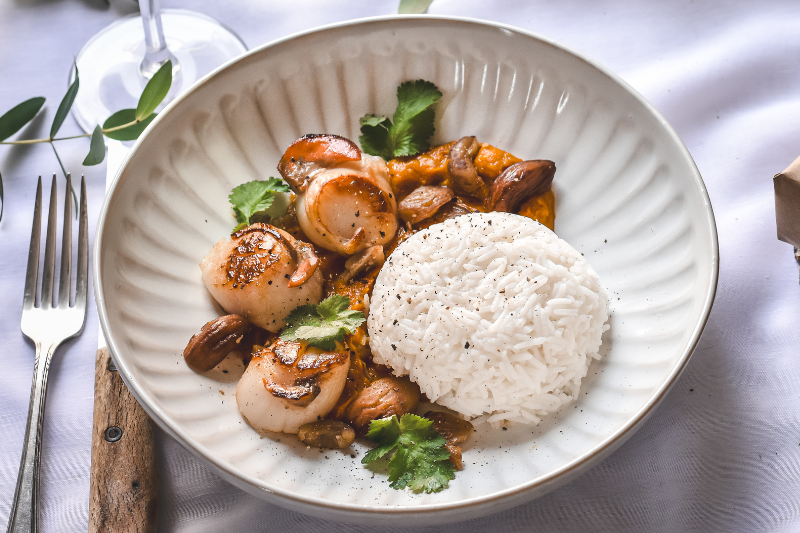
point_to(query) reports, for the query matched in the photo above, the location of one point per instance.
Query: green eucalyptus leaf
(97, 149)
(155, 91)
(413, 7)
(125, 116)
(65, 105)
(18, 116)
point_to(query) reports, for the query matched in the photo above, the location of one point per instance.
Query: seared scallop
(344, 200)
(290, 384)
(262, 273)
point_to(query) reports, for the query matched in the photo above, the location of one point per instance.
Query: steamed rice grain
(490, 314)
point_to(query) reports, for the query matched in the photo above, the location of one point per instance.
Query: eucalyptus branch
(124, 125)
(37, 141)
(73, 137)
(82, 135)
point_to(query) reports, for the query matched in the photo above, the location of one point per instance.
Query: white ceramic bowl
(629, 197)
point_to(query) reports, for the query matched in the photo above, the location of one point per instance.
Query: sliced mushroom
(384, 397)
(333, 434)
(454, 208)
(463, 176)
(519, 182)
(312, 152)
(423, 202)
(454, 430)
(371, 257)
(216, 339)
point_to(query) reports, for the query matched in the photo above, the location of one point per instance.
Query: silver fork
(48, 326)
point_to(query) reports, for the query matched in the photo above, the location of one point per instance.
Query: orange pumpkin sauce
(541, 208)
(430, 168)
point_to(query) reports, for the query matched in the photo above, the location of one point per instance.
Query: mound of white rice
(490, 313)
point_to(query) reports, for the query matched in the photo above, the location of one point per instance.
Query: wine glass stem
(156, 53)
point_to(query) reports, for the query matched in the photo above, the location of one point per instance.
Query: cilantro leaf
(414, 97)
(375, 138)
(412, 136)
(420, 461)
(330, 307)
(324, 324)
(384, 430)
(412, 128)
(253, 198)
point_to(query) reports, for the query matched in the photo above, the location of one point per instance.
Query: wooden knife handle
(124, 476)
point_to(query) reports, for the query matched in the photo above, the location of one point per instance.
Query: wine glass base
(109, 63)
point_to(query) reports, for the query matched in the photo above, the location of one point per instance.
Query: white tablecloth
(722, 452)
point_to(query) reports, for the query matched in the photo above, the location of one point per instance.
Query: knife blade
(124, 473)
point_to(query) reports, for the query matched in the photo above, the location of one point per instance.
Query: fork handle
(124, 476)
(24, 510)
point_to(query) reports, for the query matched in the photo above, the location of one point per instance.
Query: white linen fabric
(721, 453)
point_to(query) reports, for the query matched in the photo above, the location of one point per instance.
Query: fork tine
(49, 271)
(65, 278)
(32, 274)
(83, 251)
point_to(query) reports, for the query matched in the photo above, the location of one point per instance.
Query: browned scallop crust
(359, 187)
(301, 371)
(256, 253)
(300, 393)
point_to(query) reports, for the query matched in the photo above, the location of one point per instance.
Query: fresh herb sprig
(411, 127)
(420, 460)
(252, 199)
(324, 324)
(124, 125)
